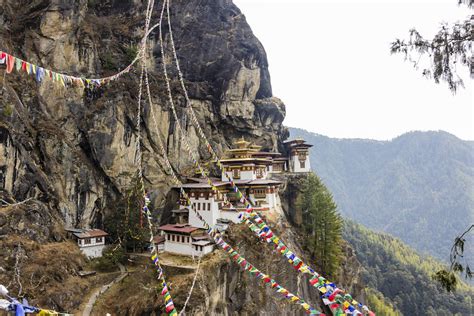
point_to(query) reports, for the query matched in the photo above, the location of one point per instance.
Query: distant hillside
(403, 277)
(418, 187)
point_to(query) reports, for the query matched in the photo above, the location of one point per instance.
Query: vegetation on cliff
(322, 224)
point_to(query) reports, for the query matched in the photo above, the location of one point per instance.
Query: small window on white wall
(236, 174)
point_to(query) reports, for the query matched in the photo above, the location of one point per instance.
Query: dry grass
(48, 272)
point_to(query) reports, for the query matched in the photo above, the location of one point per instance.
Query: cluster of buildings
(251, 170)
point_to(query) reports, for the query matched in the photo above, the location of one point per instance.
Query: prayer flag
(10, 63)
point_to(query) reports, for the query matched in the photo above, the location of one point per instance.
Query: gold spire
(241, 143)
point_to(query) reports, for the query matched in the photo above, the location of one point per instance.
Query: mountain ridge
(418, 186)
(397, 273)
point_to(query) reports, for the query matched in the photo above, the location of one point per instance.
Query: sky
(330, 63)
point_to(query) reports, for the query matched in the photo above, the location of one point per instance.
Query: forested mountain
(403, 276)
(418, 187)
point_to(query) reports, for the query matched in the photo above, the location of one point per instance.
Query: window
(236, 173)
(182, 239)
(98, 239)
(79, 242)
(199, 206)
(187, 239)
(260, 193)
(200, 248)
(259, 172)
(87, 241)
(168, 236)
(209, 206)
(172, 237)
(302, 165)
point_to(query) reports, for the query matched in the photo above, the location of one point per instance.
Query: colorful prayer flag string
(169, 305)
(40, 73)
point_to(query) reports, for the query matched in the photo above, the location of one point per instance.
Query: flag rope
(40, 73)
(169, 304)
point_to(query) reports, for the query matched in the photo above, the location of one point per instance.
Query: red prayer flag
(298, 265)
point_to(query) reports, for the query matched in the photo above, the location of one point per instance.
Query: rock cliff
(74, 149)
(70, 154)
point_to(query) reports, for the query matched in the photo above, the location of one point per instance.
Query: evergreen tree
(322, 224)
(128, 225)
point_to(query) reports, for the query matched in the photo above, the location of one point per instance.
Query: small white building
(184, 239)
(90, 241)
(159, 242)
(298, 160)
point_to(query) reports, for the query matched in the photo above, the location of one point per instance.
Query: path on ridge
(98, 292)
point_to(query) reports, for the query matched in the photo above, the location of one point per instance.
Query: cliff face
(70, 153)
(75, 150)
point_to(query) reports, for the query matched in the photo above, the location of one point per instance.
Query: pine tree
(322, 224)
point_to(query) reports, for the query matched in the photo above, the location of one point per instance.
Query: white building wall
(161, 247)
(179, 248)
(271, 199)
(209, 216)
(244, 175)
(295, 164)
(248, 175)
(207, 249)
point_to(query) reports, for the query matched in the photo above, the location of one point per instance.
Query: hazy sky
(330, 63)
